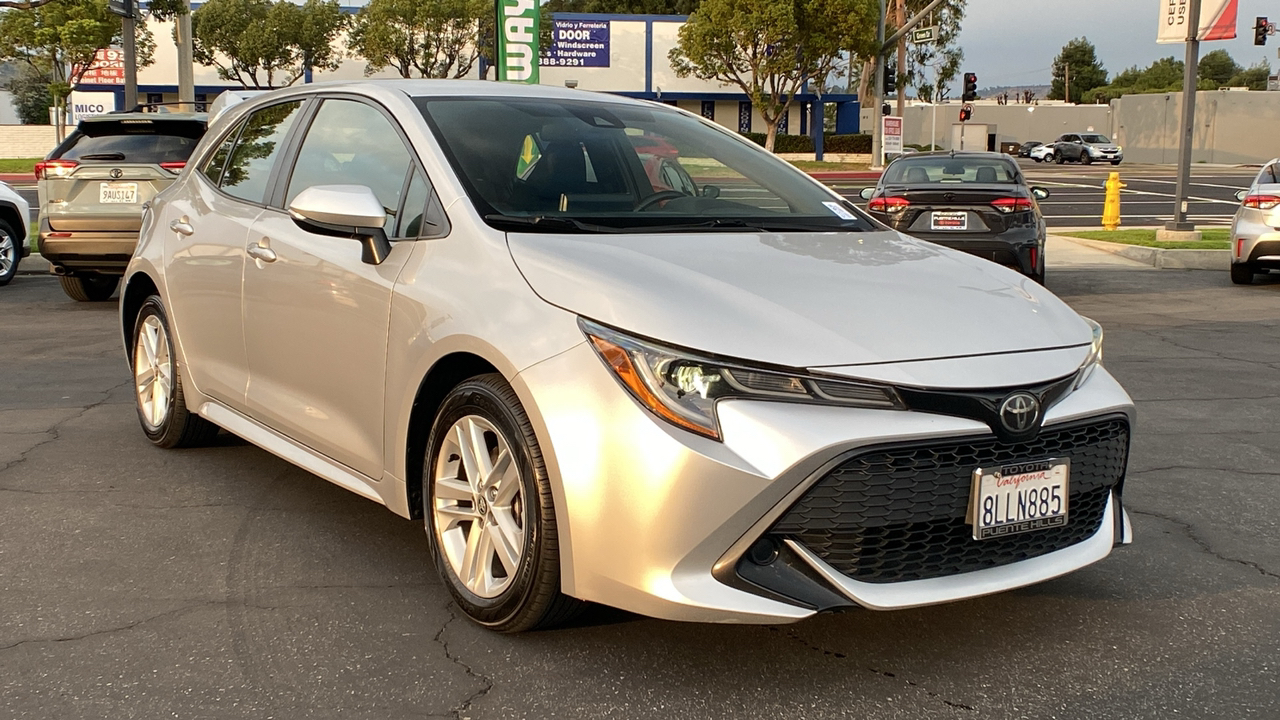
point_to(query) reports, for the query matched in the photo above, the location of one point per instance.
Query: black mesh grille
(899, 514)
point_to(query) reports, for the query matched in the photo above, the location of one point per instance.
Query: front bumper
(658, 521)
(1106, 157)
(78, 251)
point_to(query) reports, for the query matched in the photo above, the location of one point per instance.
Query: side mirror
(710, 191)
(1241, 195)
(1039, 192)
(346, 211)
(867, 193)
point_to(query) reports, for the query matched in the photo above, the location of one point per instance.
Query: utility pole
(877, 83)
(186, 59)
(901, 20)
(1179, 222)
(129, 45)
(1066, 82)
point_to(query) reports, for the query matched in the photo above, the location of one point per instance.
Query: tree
(263, 44)
(31, 96)
(771, 49)
(1254, 78)
(1219, 67)
(1080, 59)
(942, 57)
(57, 41)
(627, 7)
(429, 38)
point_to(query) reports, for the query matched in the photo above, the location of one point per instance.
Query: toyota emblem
(1019, 412)
(116, 173)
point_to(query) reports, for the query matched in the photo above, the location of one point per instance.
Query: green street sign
(924, 35)
(517, 40)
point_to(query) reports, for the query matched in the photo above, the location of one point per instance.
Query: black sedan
(1024, 150)
(977, 202)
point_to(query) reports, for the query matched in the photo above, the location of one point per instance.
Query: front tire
(162, 409)
(489, 511)
(1242, 273)
(1087, 159)
(1056, 157)
(89, 288)
(10, 253)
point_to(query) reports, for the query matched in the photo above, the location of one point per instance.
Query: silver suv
(92, 188)
(1086, 148)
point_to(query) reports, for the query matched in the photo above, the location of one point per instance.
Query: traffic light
(1260, 28)
(970, 87)
(890, 79)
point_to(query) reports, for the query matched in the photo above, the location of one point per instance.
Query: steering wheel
(659, 197)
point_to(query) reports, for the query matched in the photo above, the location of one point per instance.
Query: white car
(1255, 242)
(742, 400)
(1042, 153)
(15, 215)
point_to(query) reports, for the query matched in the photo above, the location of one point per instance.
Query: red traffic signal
(970, 87)
(1261, 28)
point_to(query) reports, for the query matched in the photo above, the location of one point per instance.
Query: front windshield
(949, 169)
(1095, 138)
(621, 166)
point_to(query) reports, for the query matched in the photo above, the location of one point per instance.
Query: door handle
(182, 227)
(258, 252)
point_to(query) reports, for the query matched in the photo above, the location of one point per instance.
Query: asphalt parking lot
(1077, 193)
(223, 583)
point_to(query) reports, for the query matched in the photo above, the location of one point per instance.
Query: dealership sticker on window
(530, 154)
(839, 210)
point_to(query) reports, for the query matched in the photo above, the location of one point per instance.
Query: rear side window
(249, 167)
(132, 144)
(213, 166)
(1268, 176)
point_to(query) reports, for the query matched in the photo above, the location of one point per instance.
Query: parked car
(1255, 241)
(92, 189)
(1042, 153)
(14, 217)
(977, 202)
(1086, 148)
(1024, 150)
(467, 301)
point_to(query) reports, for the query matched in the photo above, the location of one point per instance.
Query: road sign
(123, 8)
(892, 134)
(924, 35)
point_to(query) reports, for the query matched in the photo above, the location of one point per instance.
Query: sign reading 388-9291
(578, 43)
(517, 40)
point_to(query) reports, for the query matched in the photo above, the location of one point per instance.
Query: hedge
(831, 143)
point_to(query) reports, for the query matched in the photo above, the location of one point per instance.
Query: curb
(1162, 258)
(18, 178)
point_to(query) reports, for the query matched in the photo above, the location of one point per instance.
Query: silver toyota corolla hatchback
(734, 398)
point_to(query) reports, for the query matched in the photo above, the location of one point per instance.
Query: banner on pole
(517, 30)
(1217, 20)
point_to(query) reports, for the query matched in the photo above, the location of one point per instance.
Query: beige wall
(1230, 127)
(26, 141)
(1010, 123)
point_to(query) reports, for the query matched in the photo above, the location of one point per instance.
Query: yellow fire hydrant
(1111, 208)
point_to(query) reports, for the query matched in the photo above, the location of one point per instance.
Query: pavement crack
(1203, 468)
(486, 682)
(54, 432)
(793, 635)
(1189, 530)
(108, 631)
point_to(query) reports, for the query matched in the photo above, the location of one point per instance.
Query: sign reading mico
(517, 40)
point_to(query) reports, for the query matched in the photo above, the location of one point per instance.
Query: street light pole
(877, 83)
(1179, 222)
(186, 59)
(128, 43)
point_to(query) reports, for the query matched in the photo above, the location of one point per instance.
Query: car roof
(959, 154)
(116, 116)
(453, 88)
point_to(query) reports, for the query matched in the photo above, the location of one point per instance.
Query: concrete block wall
(1010, 123)
(1231, 127)
(27, 141)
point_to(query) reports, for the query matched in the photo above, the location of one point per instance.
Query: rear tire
(10, 253)
(89, 288)
(1086, 158)
(481, 425)
(1242, 273)
(158, 397)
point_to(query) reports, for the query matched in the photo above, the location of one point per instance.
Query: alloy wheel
(8, 253)
(153, 371)
(479, 507)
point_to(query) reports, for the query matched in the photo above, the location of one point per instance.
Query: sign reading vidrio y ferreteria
(517, 40)
(1217, 20)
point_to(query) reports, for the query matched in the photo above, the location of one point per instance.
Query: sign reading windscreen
(578, 43)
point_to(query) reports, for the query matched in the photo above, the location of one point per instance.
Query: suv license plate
(949, 221)
(117, 193)
(1020, 497)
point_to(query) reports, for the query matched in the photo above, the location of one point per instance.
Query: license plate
(118, 193)
(950, 221)
(1019, 498)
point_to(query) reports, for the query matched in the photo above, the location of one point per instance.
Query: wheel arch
(444, 375)
(138, 287)
(9, 213)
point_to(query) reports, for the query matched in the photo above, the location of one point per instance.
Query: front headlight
(683, 388)
(1095, 354)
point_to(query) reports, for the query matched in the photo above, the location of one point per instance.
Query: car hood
(798, 299)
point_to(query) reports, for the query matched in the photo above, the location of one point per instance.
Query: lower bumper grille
(898, 513)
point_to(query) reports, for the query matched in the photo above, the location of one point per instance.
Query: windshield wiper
(103, 156)
(546, 223)
(753, 225)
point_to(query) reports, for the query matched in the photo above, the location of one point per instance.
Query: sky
(1014, 42)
